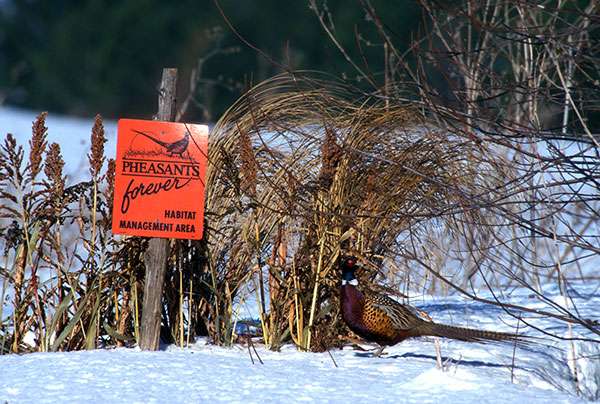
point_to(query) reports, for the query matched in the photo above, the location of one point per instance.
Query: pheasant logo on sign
(159, 183)
(178, 147)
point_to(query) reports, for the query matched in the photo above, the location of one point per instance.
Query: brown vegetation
(433, 193)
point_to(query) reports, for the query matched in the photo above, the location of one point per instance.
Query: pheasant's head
(348, 265)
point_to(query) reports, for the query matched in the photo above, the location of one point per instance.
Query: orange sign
(159, 182)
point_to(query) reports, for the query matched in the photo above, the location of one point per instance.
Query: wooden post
(158, 250)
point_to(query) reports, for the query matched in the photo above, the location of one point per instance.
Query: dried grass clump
(334, 173)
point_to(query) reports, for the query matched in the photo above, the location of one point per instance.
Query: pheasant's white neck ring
(353, 282)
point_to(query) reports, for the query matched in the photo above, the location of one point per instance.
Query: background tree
(105, 56)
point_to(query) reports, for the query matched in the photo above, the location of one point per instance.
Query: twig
(514, 353)
(251, 344)
(332, 359)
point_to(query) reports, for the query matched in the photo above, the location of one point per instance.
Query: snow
(205, 373)
(474, 373)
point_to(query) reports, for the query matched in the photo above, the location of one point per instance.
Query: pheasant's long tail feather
(155, 140)
(465, 334)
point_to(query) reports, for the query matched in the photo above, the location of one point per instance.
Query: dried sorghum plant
(110, 192)
(37, 144)
(96, 156)
(53, 169)
(331, 154)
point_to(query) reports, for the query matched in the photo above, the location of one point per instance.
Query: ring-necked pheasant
(178, 147)
(378, 318)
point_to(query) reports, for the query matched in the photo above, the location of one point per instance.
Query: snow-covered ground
(474, 373)
(204, 373)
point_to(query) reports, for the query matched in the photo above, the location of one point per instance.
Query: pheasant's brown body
(380, 319)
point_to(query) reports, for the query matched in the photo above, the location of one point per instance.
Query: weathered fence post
(158, 249)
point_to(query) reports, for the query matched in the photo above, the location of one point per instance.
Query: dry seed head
(96, 156)
(11, 158)
(249, 166)
(4, 161)
(291, 186)
(331, 154)
(37, 143)
(53, 167)
(110, 180)
(110, 175)
(229, 170)
(371, 183)
(10, 142)
(370, 192)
